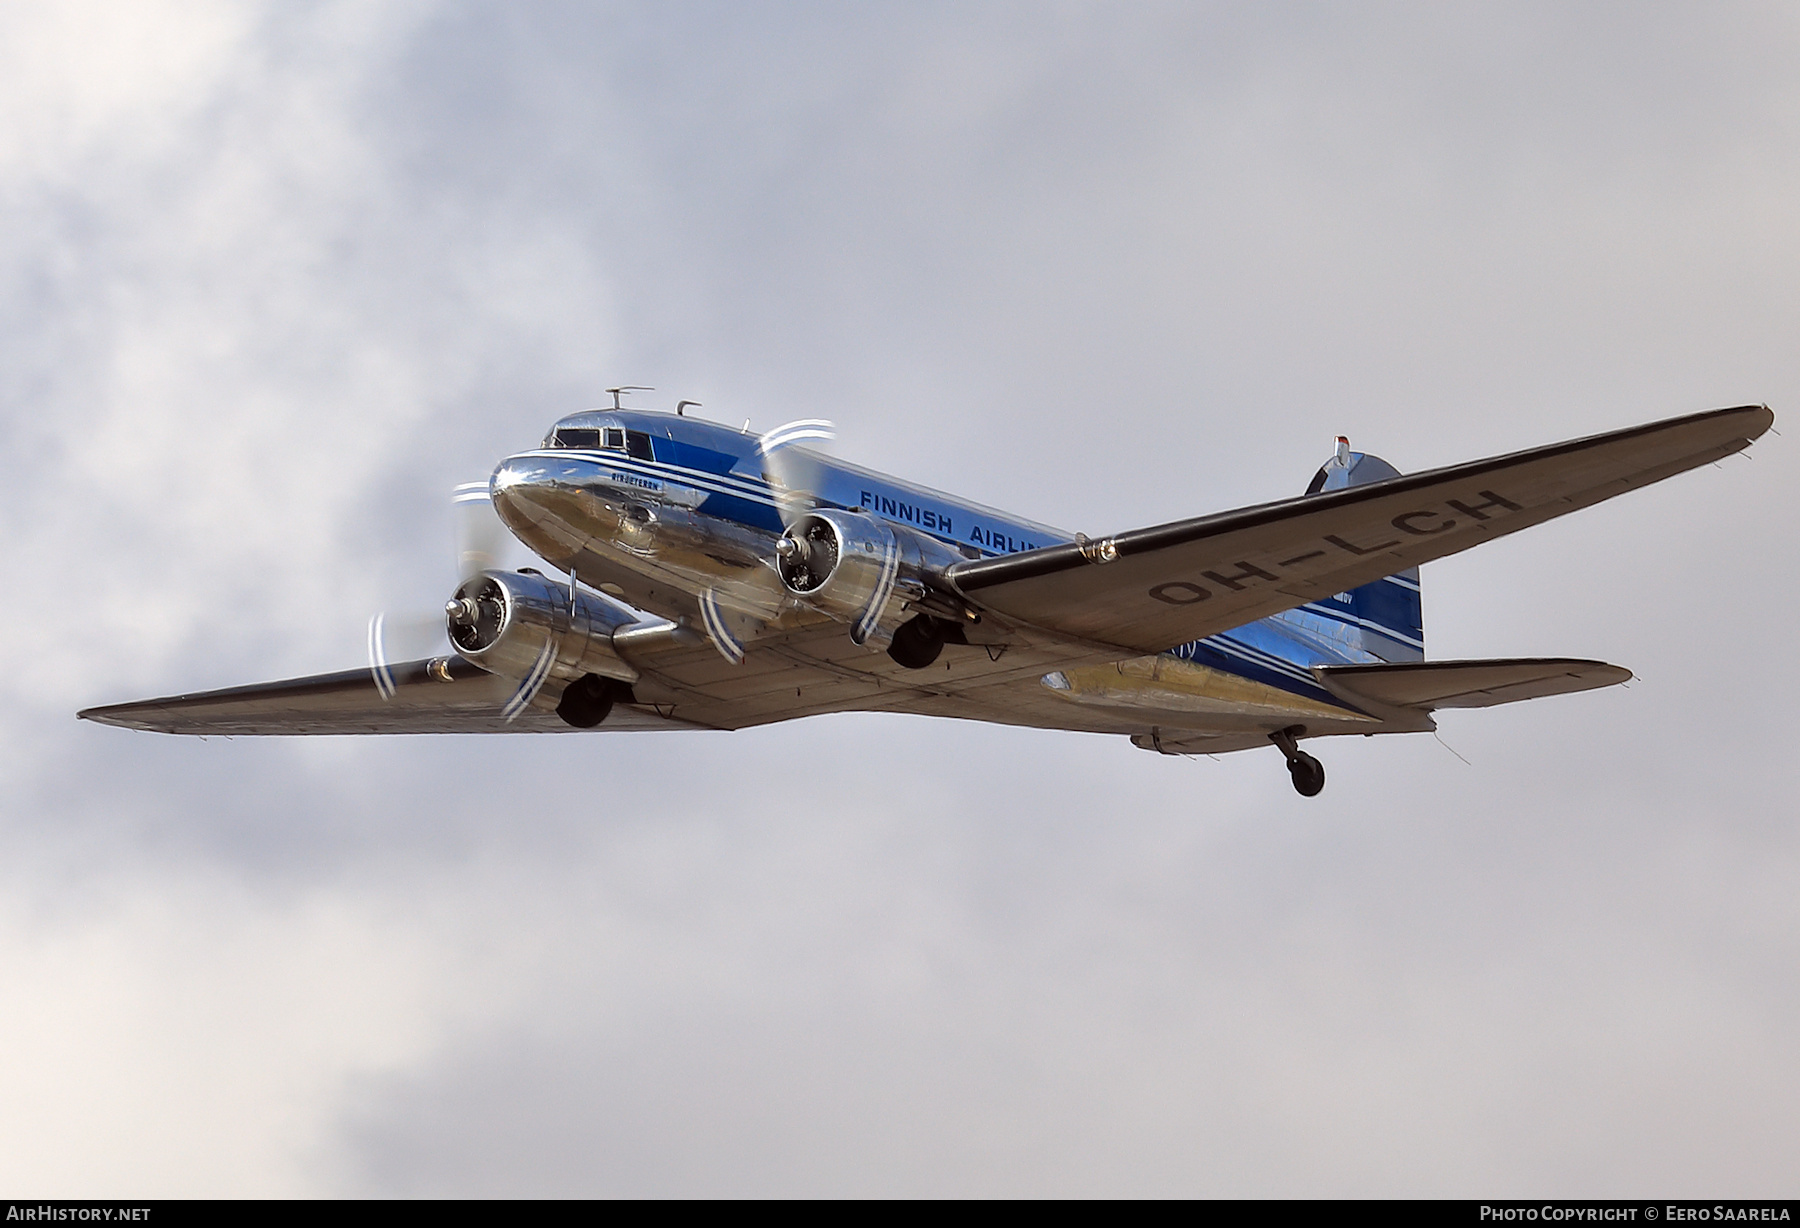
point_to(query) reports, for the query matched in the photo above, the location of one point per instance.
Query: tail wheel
(1308, 774)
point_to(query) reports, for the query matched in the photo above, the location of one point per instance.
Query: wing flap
(435, 696)
(1152, 588)
(1467, 684)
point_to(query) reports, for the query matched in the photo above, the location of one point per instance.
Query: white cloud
(178, 1035)
(85, 80)
(275, 277)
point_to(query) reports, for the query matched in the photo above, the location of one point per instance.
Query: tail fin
(1384, 618)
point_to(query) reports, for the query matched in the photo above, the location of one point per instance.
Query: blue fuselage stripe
(748, 501)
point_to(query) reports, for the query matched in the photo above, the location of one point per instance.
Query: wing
(1152, 588)
(439, 696)
(684, 684)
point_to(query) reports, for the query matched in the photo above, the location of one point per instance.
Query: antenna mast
(623, 389)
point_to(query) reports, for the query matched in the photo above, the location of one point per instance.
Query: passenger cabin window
(638, 444)
(577, 437)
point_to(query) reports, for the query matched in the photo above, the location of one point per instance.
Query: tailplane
(1385, 618)
(1468, 684)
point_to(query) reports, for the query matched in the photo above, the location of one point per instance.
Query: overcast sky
(274, 278)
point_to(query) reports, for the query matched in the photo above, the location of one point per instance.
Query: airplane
(712, 578)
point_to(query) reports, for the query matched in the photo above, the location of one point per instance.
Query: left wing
(445, 695)
(1153, 588)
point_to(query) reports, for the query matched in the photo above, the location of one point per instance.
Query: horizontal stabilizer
(1467, 684)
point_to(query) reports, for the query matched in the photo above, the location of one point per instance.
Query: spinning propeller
(480, 538)
(793, 474)
(810, 554)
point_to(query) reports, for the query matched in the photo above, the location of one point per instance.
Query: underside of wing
(436, 696)
(815, 669)
(1467, 684)
(1153, 588)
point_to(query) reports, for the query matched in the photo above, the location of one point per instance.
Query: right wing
(1153, 588)
(446, 695)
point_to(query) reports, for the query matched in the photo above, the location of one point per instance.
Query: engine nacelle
(504, 621)
(859, 570)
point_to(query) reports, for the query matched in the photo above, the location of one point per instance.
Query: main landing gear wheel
(917, 642)
(1308, 773)
(586, 702)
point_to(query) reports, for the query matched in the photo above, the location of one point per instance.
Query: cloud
(177, 1035)
(275, 278)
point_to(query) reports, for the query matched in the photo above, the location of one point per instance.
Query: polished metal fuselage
(686, 517)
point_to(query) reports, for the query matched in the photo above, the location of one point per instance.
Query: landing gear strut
(1308, 773)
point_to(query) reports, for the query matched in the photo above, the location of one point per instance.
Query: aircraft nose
(516, 475)
(535, 471)
(511, 485)
(537, 490)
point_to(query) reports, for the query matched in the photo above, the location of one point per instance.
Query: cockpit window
(616, 438)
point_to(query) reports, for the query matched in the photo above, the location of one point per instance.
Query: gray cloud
(275, 278)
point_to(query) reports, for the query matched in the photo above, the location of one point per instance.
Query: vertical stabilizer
(1384, 618)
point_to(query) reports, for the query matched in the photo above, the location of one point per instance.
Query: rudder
(1384, 618)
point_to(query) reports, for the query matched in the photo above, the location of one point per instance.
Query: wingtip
(1614, 674)
(1748, 421)
(1751, 421)
(119, 716)
(1735, 428)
